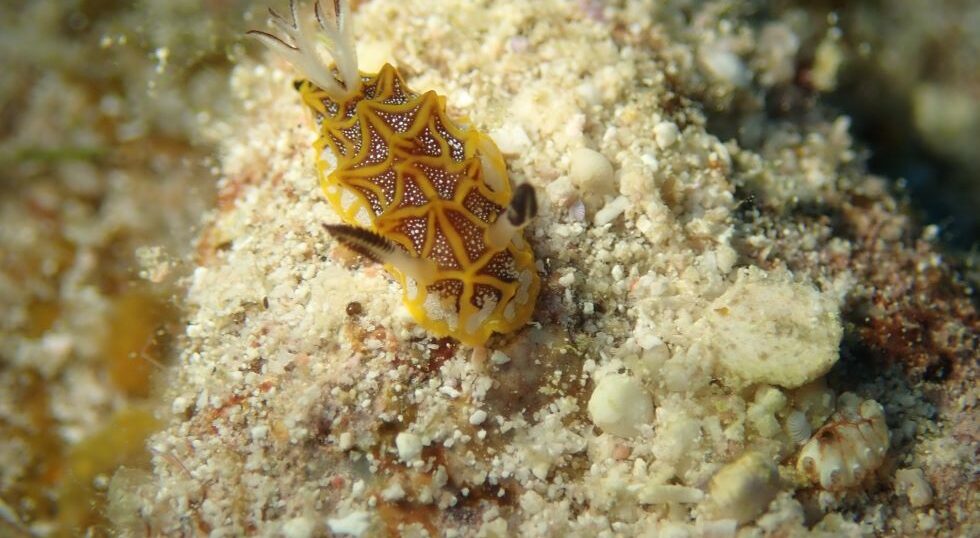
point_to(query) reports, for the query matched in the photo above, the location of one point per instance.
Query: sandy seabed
(735, 337)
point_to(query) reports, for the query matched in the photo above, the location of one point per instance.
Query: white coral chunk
(619, 405)
(766, 328)
(914, 484)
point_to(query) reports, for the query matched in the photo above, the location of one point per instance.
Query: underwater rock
(619, 405)
(769, 329)
(914, 484)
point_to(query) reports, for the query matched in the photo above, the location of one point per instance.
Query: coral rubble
(691, 307)
(740, 331)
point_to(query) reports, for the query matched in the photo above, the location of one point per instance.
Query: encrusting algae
(425, 195)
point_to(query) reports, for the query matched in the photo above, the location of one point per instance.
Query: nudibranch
(427, 196)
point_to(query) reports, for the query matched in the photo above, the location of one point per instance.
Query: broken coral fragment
(766, 328)
(619, 405)
(913, 483)
(409, 446)
(762, 412)
(353, 524)
(592, 175)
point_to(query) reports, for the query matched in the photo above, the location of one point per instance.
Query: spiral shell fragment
(797, 427)
(843, 452)
(743, 489)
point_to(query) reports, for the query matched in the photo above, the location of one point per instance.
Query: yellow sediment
(89, 465)
(132, 346)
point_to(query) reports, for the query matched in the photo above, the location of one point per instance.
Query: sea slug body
(419, 192)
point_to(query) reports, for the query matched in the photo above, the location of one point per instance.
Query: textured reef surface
(740, 330)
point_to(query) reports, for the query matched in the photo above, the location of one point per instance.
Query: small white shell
(743, 489)
(848, 448)
(816, 400)
(798, 427)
